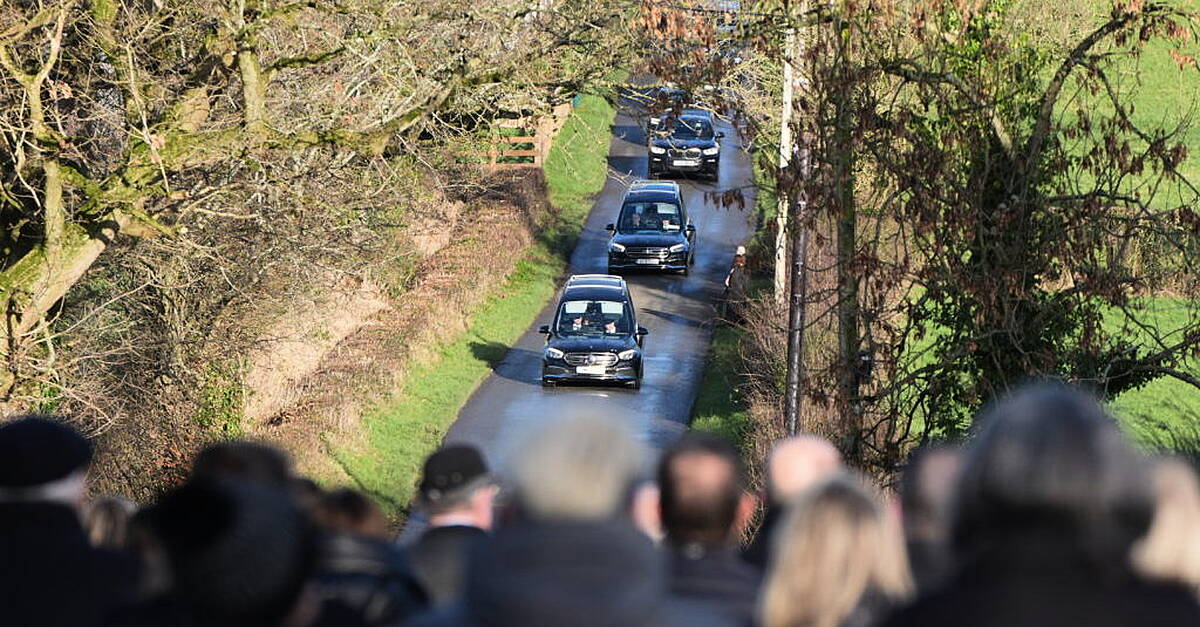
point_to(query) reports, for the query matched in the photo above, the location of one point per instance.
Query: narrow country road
(677, 310)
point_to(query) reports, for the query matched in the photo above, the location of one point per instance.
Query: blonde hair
(582, 467)
(836, 544)
(1170, 550)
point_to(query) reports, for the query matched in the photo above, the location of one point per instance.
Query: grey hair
(581, 468)
(1049, 456)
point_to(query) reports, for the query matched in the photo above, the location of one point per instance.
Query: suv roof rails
(652, 184)
(606, 280)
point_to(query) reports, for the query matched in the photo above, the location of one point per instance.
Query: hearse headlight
(658, 150)
(678, 248)
(627, 355)
(715, 150)
(554, 353)
(616, 248)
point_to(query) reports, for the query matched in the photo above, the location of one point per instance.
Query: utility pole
(797, 304)
(785, 156)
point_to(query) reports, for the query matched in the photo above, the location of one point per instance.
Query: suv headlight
(616, 248)
(658, 150)
(627, 355)
(715, 150)
(554, 353)
(678, 248)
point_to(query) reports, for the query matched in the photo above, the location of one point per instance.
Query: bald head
(798, 463)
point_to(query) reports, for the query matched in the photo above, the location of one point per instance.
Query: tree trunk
(843, 161)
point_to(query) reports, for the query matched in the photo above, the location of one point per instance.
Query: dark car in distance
(594, 336)
(653, 231)
(690, 145)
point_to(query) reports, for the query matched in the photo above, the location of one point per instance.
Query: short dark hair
(1048, 457)
(250, 461)
(700, 514)
(922, 509)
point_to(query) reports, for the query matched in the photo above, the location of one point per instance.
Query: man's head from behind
(581, 467)
(702, 487)
(926, 491)
(243, 460)
(456, 487)
(798, 463)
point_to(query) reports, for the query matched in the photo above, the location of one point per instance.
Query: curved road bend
(677, 311)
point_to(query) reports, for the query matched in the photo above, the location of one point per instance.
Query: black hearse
(594, 335)
(653, 230)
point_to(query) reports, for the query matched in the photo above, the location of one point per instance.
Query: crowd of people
(1047, 516)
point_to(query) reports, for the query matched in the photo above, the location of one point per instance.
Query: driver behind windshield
(647, 218)
(593, 320)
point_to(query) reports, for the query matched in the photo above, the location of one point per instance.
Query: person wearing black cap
(459, 495)
(50, 575)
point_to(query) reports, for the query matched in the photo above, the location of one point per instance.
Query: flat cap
(36, 450)
(449, 469)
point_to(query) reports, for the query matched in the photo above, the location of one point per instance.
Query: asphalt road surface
(677, 310)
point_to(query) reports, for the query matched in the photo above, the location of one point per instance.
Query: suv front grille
(683, 153)
(591, 359)
(646, 252)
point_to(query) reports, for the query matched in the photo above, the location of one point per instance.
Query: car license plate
(685, 163)
(590, 370)
(648, 262)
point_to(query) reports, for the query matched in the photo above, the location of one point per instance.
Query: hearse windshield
(691, 128)
(650, 217)
(593, 317)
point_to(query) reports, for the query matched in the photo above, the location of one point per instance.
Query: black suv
(689, 145)
(653, 230)
(594, 335)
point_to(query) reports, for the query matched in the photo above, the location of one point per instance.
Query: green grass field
(720, 408)
(1163, 94)
(401, 432)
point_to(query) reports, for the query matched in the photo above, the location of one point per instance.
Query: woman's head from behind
(1048, 459)
(837, 544)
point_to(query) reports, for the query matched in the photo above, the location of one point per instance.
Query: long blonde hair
(836, 544)
(1171, 549)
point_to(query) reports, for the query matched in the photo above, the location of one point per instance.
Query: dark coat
(439, 558)
(370, 577)
(50, 576)
(1043, 581)
(568, 574)
(718, 580)
(758, 552)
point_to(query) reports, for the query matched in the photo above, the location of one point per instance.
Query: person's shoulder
(1168, 603)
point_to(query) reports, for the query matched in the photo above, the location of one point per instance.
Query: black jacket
(370, 577)
(718, 580)
(568, 574)
(1039, 580)
(439, 557)
(758, 552)
(50, 576)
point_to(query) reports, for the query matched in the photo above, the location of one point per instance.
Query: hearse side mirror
(643, 331)
(610, 227)
(691, 228)
(720, 135)
(544, 329)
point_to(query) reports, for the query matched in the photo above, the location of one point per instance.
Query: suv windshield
(593, 317)
(691, 128)
(653, 217)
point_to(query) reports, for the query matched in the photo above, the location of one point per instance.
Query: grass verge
(403, 430)
(720, 408)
